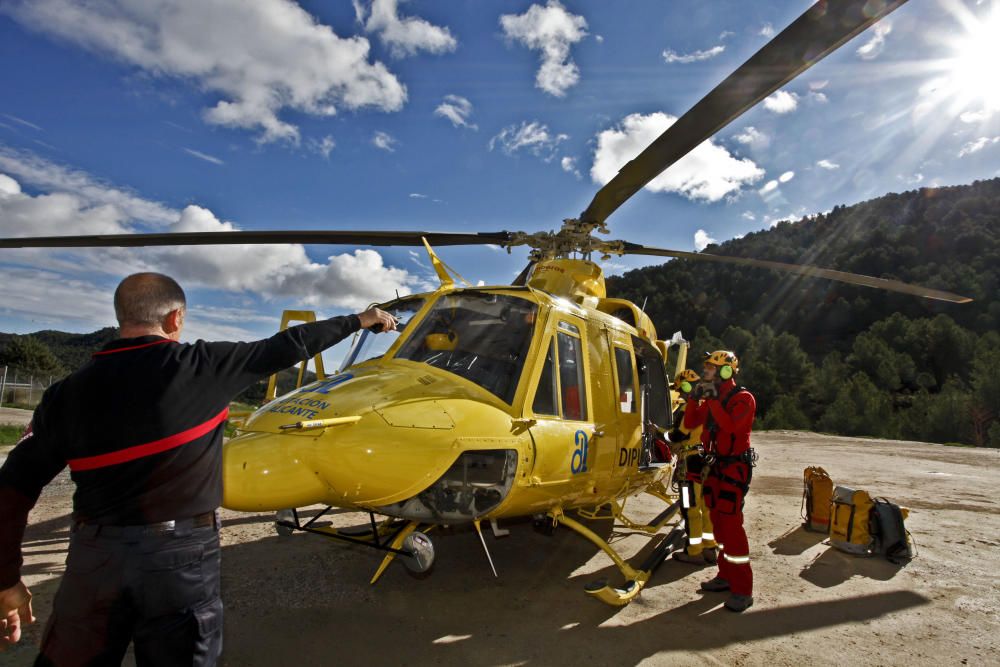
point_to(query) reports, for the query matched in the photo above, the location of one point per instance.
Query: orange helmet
(726, 362)
(684, 380)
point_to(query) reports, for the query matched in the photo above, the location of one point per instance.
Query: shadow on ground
(305, 600)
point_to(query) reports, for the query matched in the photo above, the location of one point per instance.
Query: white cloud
(552, 30)
(774, 222)
(753, 137)
(976, 116)
(708, 172)
(787, 176)
(770, 186)
(271, 56)
(599, 39)
(384, 140)
(827, 164)
(417, 195)
(8, 186)
(349, 280)
(45, 175)
(672, 56)
(456, 109)
(568, 165)
(766, 30)
(533, 137)
(21, 121)
(977, 145)
(404, 36)
(747, 215)
(873, 47)
(819, 98)
(725, 34)
(203, 156)
(702, 240)
(323, 146)
(781, 102)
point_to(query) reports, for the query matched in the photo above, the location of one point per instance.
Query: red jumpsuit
(726, 484)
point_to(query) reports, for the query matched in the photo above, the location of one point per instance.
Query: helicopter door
(629, 428)
(562, 429)
(654, 399)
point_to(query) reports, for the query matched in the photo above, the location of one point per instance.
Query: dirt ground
(304, 600)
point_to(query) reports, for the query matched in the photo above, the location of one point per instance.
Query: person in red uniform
(727, 413)
(140, 427)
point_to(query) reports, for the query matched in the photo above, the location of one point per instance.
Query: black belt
(206, 520)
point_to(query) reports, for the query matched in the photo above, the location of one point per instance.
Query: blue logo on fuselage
(578, 463)
(326, 385)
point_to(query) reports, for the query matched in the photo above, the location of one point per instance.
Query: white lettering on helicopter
(578, 463)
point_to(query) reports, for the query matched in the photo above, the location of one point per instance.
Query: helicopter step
(635, 579)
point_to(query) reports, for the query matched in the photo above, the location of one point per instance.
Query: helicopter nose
(343, 467)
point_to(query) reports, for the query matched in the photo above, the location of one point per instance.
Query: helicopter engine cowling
(473, 486)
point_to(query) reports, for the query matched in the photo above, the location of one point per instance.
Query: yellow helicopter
(544, 398)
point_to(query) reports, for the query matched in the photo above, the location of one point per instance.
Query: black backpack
(892, 540)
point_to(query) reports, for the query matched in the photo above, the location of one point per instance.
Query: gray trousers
(160, 592)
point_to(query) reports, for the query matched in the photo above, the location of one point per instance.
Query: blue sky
(161, 115)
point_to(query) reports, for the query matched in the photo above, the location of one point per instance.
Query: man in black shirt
(140, 427)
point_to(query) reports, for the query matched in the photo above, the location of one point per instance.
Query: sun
(975, 68)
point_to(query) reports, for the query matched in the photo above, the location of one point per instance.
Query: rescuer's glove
(705, 390)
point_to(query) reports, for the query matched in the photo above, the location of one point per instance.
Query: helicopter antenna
(479, 530)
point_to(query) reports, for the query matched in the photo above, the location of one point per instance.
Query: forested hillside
(853, 360)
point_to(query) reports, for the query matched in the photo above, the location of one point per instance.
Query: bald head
(145, 299)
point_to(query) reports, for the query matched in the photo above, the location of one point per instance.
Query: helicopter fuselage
(490, 402)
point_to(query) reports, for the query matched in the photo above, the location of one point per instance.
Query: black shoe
(685, 557)
(711, 555)
(739, 603)
(715, 585)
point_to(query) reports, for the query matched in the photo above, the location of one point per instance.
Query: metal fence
(22, 389)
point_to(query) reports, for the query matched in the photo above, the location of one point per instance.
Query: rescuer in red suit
(727, 411)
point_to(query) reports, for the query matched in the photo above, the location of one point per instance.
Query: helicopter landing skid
(635, 579)
(367, 537)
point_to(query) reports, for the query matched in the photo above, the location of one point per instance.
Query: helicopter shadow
(305, 599)
(314, 597)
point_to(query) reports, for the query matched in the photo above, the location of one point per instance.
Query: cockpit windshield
(480, 336)
(370, 346)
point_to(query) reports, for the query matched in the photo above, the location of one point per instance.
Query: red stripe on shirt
(148, 449)
(134, 347)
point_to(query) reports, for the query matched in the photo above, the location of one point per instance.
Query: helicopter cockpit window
(546, 401)
(571, 381)
(480, 336)
(626, 382)
(370, 346)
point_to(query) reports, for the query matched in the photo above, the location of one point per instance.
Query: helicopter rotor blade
(820, 30)
(802, 270)
(306, 237)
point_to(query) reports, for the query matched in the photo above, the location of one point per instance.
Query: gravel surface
(305, 600)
